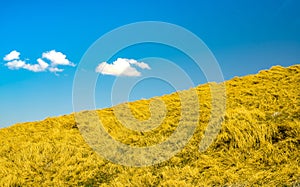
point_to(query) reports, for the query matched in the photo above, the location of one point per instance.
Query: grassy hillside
(258, 145)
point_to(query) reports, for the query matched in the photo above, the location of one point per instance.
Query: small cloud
(55, 69)
(42, 63)
(33, 67)
(13, 55)
(142, 65)
(122, 67)
(57, 58)
(15, 64)
(41, 66)
(20, 64)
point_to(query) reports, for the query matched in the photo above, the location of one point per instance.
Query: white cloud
(15, 64)
(33, 67)
(41, 66)
(13, 55)
(20, 64)
(57, 58)
(55, 69)
(42, 63)
(122, 67)
(142, 65)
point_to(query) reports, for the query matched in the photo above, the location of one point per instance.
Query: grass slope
(259, 143)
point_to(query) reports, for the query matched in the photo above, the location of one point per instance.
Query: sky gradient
(244, 36)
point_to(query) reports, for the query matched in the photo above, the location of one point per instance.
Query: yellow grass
(259, 142)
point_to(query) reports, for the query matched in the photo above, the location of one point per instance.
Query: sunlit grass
(259, 143)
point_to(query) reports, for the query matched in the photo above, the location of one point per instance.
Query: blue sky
(244, 36)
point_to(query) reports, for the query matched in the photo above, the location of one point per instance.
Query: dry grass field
(258, 145)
